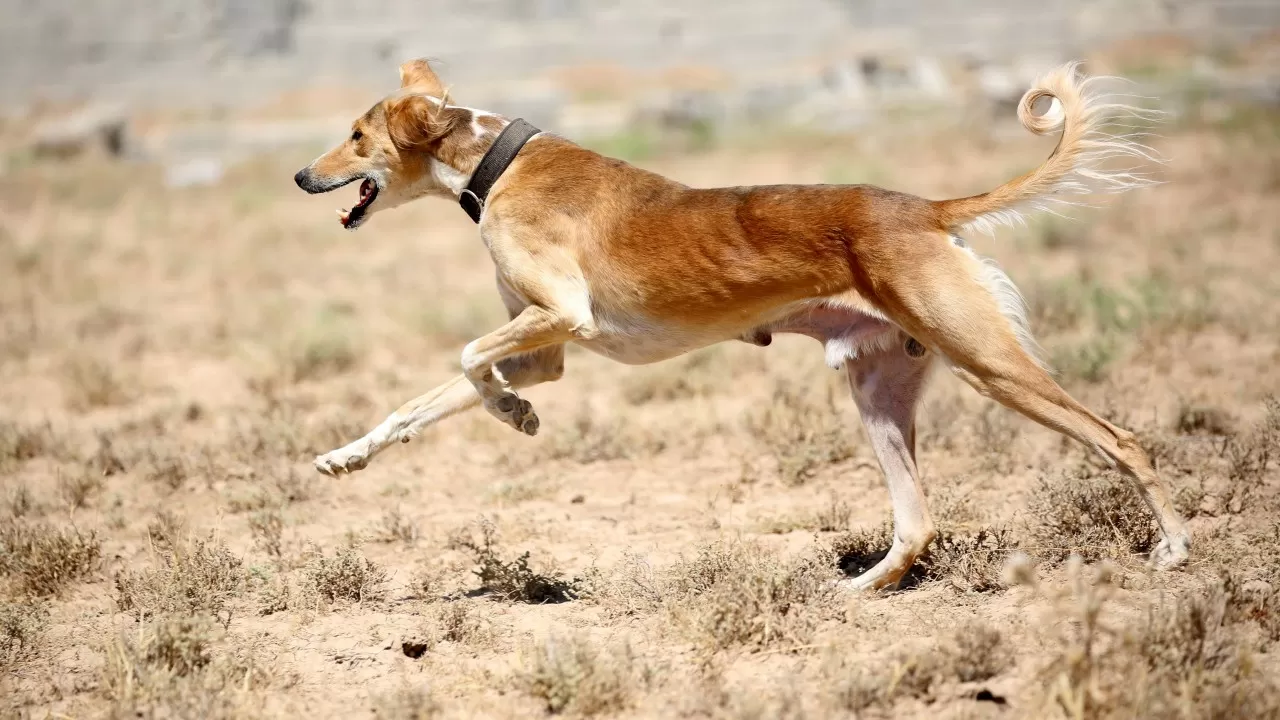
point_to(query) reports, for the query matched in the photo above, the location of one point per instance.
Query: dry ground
(170, 361)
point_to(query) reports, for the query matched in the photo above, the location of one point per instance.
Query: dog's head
(401, 149)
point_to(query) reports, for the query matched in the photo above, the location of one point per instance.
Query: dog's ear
(417, 74)
(415, 121)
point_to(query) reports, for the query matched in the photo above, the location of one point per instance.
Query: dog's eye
(355, 136)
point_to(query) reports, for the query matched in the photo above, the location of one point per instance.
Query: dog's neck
(456, 155)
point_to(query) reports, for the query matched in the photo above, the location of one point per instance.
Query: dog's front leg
(533, 328)
(449, 399)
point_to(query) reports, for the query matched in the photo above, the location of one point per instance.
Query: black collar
(495, 161)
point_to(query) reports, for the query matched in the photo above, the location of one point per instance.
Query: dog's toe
(514, 411)
(530, 425)
(343, 460)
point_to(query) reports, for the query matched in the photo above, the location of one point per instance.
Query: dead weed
(514, 579)
(38, 559)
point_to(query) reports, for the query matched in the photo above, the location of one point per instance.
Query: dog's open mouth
(368, 193)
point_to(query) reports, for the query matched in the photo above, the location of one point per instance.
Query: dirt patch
(172, 360)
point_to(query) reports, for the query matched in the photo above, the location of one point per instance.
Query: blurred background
(222, 77)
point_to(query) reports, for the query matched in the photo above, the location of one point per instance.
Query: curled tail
(1097, 134)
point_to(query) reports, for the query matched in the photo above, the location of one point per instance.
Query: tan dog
(639, 268)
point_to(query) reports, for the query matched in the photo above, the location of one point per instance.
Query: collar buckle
(495, 161)
(472, 204)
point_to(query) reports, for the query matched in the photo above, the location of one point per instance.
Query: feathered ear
(417, 74)
(414, 121)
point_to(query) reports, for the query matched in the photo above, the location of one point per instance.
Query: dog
(639, 268)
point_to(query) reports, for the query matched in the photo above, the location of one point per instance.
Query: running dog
(638, 268)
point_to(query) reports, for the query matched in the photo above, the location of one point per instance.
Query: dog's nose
(301, 178)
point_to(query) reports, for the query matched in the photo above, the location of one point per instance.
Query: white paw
(1172, 552)
(347, 459)
(855, 584)
(517, 413)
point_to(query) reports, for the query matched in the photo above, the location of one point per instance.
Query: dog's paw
(347, 459)
(512, 410)
(1172, 552)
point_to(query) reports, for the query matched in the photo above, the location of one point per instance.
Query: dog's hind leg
(451, 398)
(886, 385)
(968, 312)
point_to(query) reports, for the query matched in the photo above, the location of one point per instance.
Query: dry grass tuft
(513, 579)
(570, 675)
(166, 529)
(832, 516)
(19, 502)
(197, 577)
(169, 668)
(734, 594)
(730, 594)
(20, 443)
(77, 489)
(971, 562)
(1189, 658)
(92, 382)
(38, 559)
(1249, 455)
(1196, 419)
(803, 434)
(22, 623)
(459, 622)
(407, 702)
(1093, 516)
(167, 467)
(973, 653)
(346, 576)
(275, 595)
(977, 652)
(995, 431)
(396, 527)
(267, 528)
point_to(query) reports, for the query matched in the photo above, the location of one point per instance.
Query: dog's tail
(1098, 133)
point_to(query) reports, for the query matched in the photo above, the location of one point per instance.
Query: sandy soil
(172, 360)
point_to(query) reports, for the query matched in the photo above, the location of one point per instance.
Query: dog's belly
(844, 330)
(644, 343)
